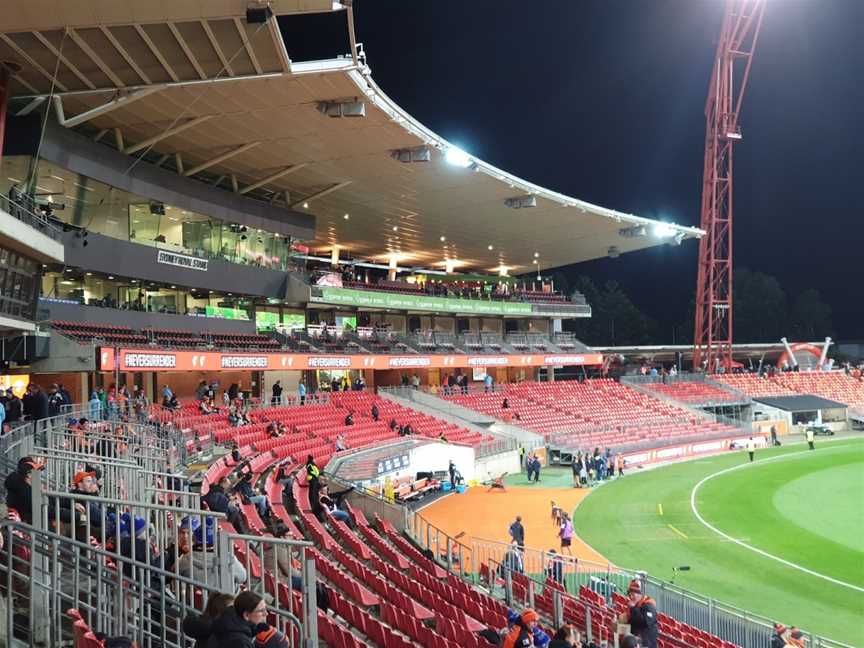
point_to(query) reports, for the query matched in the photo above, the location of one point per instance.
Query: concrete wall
(487, 468)
(18, 236)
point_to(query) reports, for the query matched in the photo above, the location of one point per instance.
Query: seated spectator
(236, 627)
(247, 493)
(340, 443)
(522, 632)
(201, 627)
(393, 425)
(171, 403)
(349, 419)
(135, 546)
(375, 412)
(566, 636)
(205, 406)
(202, 563)
(505, 404)
(512, 560)
(555, 568)
(642, 615)
(273, 430)
(235, 453)
(441, 436)
(271, 638)
(329, 504)
(408, 429)
(217, 500)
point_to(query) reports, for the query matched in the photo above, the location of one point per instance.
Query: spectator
(201, 392)
(415, 382)
(171, 403)
(205, 406)
(329, 504)
(18, 491)
(512, 560)
(642, 615)
(566, 636)
(271, 638)
(201, 627)
(629, 641)
(778, 639)
(167, 394)
(452, 470)
(134, 546)
(244, 489)
(487, 383)
(517, 532)
(375, 412)
(301, 392)
(202, 563)
(276, 398)
(349, 419)
(566, 533)
(441, 436)
(555, 568)
(522, 632)
(14, 407)
(340, 443)
(39, 404)
(217, 500)
(505, 404)
(235, 628)
(312, 478)
(796, 638)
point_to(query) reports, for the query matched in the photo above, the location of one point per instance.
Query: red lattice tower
(713, 334)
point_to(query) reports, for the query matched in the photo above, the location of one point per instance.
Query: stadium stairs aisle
(487, 515)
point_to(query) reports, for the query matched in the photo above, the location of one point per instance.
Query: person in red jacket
(522, 633)
(642, 615)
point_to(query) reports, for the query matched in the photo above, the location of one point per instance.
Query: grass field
(804, 507)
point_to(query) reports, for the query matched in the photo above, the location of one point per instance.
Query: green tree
(760, 313)
(811, 317)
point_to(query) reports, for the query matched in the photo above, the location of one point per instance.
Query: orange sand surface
(487, 516)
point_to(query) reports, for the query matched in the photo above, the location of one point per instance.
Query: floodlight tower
(713, 332)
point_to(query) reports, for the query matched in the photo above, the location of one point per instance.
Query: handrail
(18, 209)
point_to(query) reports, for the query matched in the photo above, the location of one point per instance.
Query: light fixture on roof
(395, 228)
(536, 262)
(663, 230)
(520, 202)
(637, 231)
(89, 274)
(458, 157)
(408, 155)
(351, 108)
(678, 238)
(443, 238)
(110, 276)
(490, 247)
(305, 205)
(346, 216)
(536, 255)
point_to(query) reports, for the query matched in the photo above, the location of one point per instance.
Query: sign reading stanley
(181, 260)
(373, 299)
(152, 360)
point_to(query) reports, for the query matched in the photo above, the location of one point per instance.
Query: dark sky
(604, 99)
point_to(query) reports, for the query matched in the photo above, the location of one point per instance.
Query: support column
(4, 101)
(334, 256)
(391, 273)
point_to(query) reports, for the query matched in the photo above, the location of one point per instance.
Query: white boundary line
(750, 547)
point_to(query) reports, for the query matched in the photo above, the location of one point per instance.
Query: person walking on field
(566, 533)
(517, 532)
(751, 448)
(810, 437)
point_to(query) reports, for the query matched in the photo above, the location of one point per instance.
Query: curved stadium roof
(193, 87)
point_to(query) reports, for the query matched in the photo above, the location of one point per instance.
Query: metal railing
(18, 208)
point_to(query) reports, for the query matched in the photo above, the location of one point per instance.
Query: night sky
(604, 100)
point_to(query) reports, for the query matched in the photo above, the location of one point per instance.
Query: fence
(137, 568)
(523, 577)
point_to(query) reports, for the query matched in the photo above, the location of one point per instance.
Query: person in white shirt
(810, 436)
(751, 447)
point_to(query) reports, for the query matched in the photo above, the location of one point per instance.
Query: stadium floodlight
(458, 157)
(663, 230)
(679, 238)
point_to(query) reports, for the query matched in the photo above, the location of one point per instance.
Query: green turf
(807, 507)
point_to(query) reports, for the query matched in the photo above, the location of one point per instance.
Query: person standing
(751, 448)
(301, 392)
(452, 470)
(810, 437)
(641, 615)
(521, 457)
(566, 533)
(14, 407)
(276, 398)
(517, 532)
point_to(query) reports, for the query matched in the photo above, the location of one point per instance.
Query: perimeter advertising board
(166, 361)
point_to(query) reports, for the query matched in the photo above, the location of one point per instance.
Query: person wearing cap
(778, 639)
(522, 632)
(642, 615)
(134, 545)
(19, 495)
(202, 560)
(796, 638)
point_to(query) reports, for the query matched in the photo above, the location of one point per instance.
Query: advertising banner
(171, 360)
(397, 301)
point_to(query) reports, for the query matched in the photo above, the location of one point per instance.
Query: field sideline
(804, 508)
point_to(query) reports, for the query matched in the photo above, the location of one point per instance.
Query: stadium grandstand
(255, 317)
